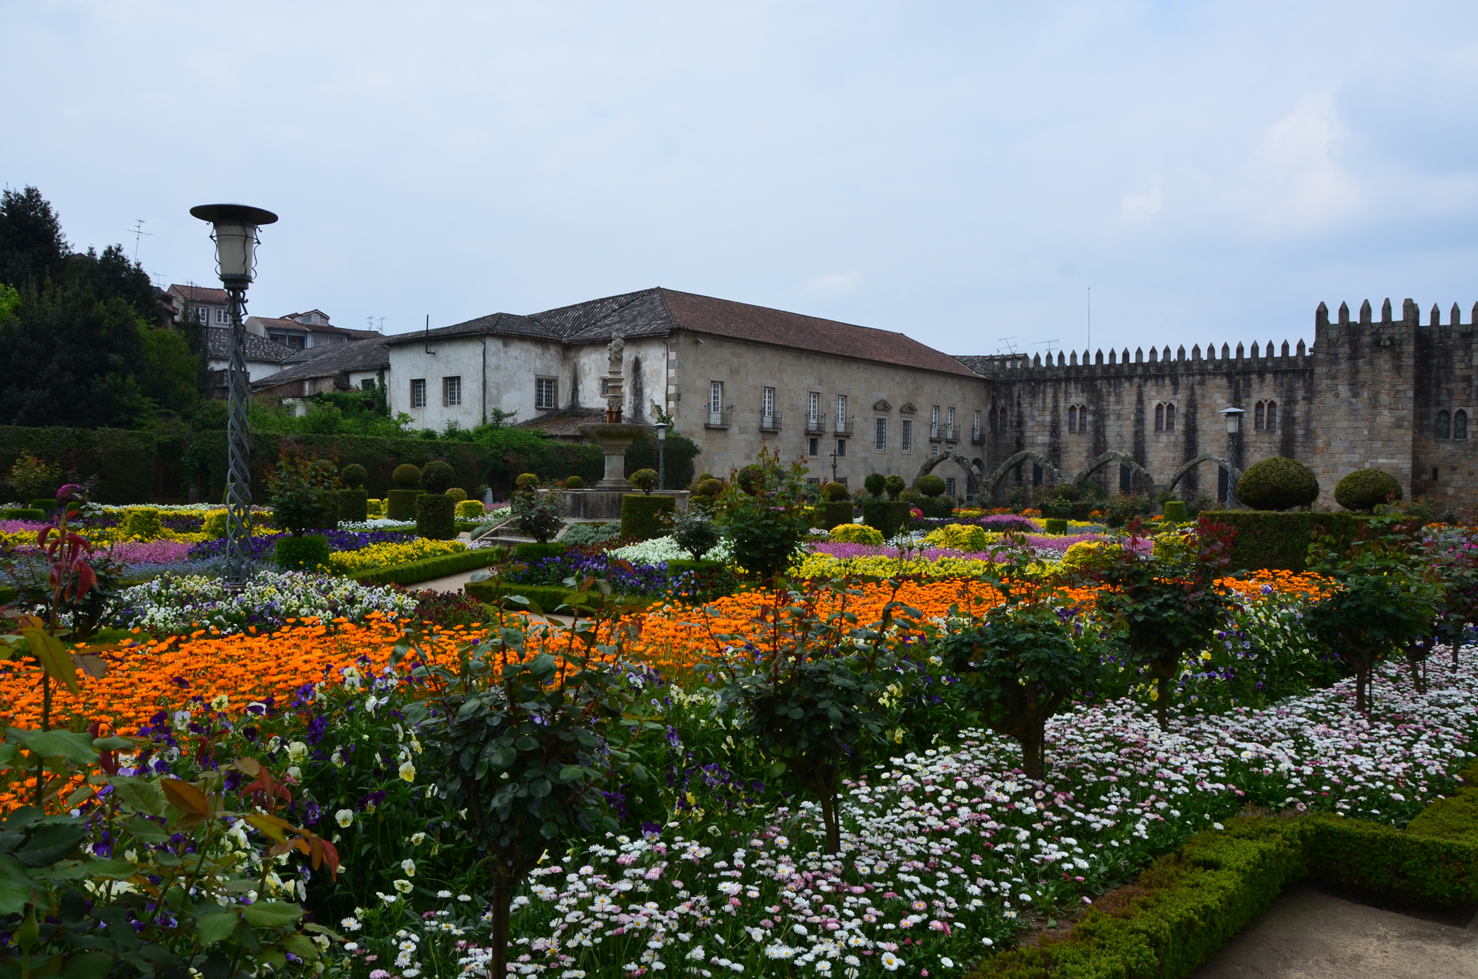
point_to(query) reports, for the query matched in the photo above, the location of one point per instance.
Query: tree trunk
(1362, 688)
(833, 827)
(502, 897)
(1162, 702)
(1033, 762)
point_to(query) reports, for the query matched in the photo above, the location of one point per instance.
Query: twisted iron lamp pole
(1233, 418)
(234, 230)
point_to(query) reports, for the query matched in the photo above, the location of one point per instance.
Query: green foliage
(457, 493)
(888, 516)
(118, 464)
(539, 515)
(1270, 539)
(768, 522)
(678, 456)
(529, 553)
(436, 516)
(353, 476)
(930, 485)
(894, 485)
(874, 484)
(574, 482)
(214, 523)
(829, 515)
(302, 553)
(510, 450)
(1365, 489)
(437, 477)
(406, 476)
(22, 513)
(644, 480)
(400, 504)
(1277, 483)
(1411, 866)
(695, 533)
(428, 569)
(935, 507)
(304, 490)
(581, 534)
(1175, 510)
(142, 524)
(749, 477)
(1055, 525)
(834, 492)
(856, 533)
(644, 517)
(353, 503)
(470, 509)
(527, 481)
(30, 477)
(1125, 507)
(1067, 491)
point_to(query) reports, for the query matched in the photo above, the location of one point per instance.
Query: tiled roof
(657, 312)
(360, 355)
(202, 295)
(565, 423)
(286, 323)
(218, 346)
(978, 363)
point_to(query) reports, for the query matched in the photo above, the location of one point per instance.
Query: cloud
(1143, 205)
(1295, 181)
(833, 283)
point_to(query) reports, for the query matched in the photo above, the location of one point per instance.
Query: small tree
(695, 533)
(538, 515)
(767, 520)
(303, 489)
(894, 486)
(32, 477)
(644, 480)
(875, 483)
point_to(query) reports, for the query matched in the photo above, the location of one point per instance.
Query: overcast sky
(962, 172)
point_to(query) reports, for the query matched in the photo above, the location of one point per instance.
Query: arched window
(1159, 418)
(1072, 418)
(1272, 416)
(1460, 424)
(1257, 417)
(1444, 425)
(1170, 418)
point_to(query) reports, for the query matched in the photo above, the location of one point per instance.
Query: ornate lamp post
(1233, 418)
(235, 234)
(661, 454)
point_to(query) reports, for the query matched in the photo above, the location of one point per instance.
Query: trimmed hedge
(1055, 525)
(548, 597)
(122, 462)
(1271, 539)
(1175, 510)
(1186, 905)
(436, 516)
(937, 507)
(535, 551)
(829, 515)
(46, 504)
(302, 553)
(22, 513)
(353, 503)
(400, 504)
(887, 516)
(415, 572)
(641, 515)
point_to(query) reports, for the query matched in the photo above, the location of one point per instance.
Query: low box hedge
(353, 503)
(22, 513)
(548, 597)
(436, 516)
(829, 515)
(400, 504)
(642, 515)
(307, 553)
(1279, 539)
(888, 517)
(1187, 905)
(535, 551)
(415, 572)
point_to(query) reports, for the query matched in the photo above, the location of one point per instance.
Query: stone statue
(615, 353)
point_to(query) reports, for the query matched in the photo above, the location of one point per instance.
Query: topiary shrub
(1175, 510)
(704, 477)
(857, 533)
(937, 507)
(642, 515)
(1067, 491)
(894, 486)
(695, 533)
(437, 477)
(959, 537)
(748, 478)
(710, 486)
(887, 516)
(828, 515)
(307, 553)
(400, 504)
(574, 482)
(44, 503)
(353, 476)
(28, 514)
(1277, 483)
(526, 481)
(1365, 489)
(214, 524)
(353, 503)
(406, 476)
(457, 493)
(930, 485)
(471, 510)
(1055, 525)
(874, 484)
(644, 480)
(1091, 555)
(436, 516)
(142, 524)
(835, 493)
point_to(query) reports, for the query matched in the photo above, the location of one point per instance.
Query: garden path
(1307, 934)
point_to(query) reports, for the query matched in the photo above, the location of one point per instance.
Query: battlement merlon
(1158, 360)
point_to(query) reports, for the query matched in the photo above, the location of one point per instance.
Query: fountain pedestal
(614, 438)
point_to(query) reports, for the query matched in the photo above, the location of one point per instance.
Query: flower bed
(660, 550)
(386, 555)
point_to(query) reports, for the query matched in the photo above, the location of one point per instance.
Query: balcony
(846, 426)
(934, 433)
(815, 426)
(769, 422)
(949, 434)
(720, 419)
(977, 437)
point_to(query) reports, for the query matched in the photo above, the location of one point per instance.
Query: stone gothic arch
(1051, 472)
(1113, 455)
(953, 456)
(1232, 474)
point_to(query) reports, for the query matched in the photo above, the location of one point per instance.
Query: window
(368, 384)
(1434, 474)
(1444, 425)
(841, 447)
(934, 423)
(1272, 416)
(768, 403)
(841, 412)
(605, 387)
(546, 394)
(882, 435)
(418, 393)
(949, 426)
(1460, 424)
(813, 408)
(1036, 474)
(1169, 417)
(1159, 418)
(1265, 416)
(813, 447)
(202, 315)
(451, 391)
(1072, 418)
(949, 486)
(223, 317)
(1126, 480)
(976, 432)
(1165, 417)
(906, 443)
(1257, 420)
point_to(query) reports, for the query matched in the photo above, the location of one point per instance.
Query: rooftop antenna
(1090, 317)
(1049, 344)
(1010, 346)
(138, 232)
(428, 335)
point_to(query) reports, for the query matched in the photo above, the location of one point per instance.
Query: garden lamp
(234, 230)
(661, 456)
(1233, 419)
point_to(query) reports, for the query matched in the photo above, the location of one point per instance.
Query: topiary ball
(874, 484)
(894, 485)
(1277, 483)
(931, 485)
(644, 480)
(705, 477)
(527, 481)
(834, 493)
(457, 493)
(574, 482)
(749, 478)
(406, 476)
(353, 475)
(437, 477)
(1365, 489)
(1068, 491)
(710, 487)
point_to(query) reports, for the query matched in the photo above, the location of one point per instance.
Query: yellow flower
(408, 771)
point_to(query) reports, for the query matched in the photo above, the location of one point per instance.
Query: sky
(967, 173)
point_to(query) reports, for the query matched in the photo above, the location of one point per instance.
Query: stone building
(1396, 394)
